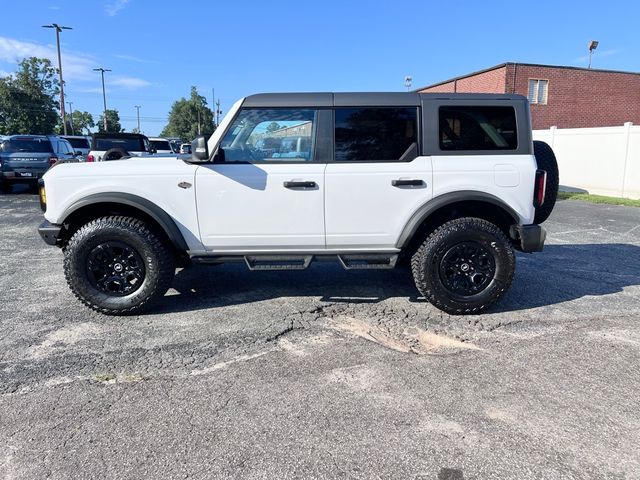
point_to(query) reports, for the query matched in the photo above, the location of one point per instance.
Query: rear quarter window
(477, 128)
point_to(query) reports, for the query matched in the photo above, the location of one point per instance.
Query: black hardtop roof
(118, 135)
(355, 99)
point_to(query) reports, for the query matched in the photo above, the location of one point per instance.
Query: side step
(368, 261)
(278, 262)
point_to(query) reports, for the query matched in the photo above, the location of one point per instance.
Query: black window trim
(431, 133)
(319, 147)
(419, 135)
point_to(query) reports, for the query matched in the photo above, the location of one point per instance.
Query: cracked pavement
(327, 373)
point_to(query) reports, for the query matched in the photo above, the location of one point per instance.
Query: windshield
(78, 142)
(32, 145)
(128, 144)
(161, 145)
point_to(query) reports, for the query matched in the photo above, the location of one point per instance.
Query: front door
(266, 190)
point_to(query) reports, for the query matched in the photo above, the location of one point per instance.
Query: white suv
(449, 182)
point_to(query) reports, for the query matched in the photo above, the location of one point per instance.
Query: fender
(422, 213)
(158, 214)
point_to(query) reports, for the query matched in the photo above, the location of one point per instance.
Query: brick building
(567, 97)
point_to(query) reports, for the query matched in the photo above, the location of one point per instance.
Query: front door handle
(401, 182)
(305, 185)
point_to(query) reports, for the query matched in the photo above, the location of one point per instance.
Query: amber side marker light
(43, 197)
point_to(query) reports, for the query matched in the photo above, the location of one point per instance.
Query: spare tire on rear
(115, 153)
(546, 160)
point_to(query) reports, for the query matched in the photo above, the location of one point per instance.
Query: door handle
(400, 182)
(305, 185)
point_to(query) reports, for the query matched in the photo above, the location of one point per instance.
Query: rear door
(266, 190)
(378, 178)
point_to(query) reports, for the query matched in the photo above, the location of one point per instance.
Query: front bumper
(529, 238)
(50, 232)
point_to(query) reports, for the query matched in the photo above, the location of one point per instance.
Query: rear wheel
(546, 160)
(464, 266)
(118, 266)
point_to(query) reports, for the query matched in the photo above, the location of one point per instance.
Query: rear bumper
(12, 177)
(50, 232)
(528, 238)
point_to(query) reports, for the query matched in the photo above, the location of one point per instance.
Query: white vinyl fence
(604, 161)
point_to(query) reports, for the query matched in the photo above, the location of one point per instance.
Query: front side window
(376, 134)
(271, 135)
(477, 128)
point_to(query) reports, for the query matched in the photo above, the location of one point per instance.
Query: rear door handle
(305, 185)
(401, 182)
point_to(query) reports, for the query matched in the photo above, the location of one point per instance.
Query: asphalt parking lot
(327, 373)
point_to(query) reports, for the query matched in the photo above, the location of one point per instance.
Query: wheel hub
(115, 268)
(467, 268)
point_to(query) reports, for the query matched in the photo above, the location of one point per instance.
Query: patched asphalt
(327, 373)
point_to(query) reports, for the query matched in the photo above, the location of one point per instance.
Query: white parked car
(451, 183)
(114, 146)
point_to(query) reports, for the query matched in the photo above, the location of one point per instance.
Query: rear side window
(477, 128)
(376, 134)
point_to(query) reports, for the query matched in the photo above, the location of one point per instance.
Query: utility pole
(71, 118)
(218, 112)
(58, 29)
(138, 107)
(104, 96)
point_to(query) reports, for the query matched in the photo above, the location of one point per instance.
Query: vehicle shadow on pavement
(559, 274)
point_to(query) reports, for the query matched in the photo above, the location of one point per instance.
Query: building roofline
(506, 64)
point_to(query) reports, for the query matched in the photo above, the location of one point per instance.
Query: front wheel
(118, 266)
(464, 266)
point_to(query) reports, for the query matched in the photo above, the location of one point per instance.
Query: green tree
(186, 115)
(82, 123)
(273, 126)
(28, 98)
(113, 122)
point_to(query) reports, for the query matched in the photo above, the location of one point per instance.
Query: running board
(278, 262)
(368, 261)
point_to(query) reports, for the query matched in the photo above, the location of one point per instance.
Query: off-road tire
(546, 160)
(156, 255)
(117, 153)
(426, 265)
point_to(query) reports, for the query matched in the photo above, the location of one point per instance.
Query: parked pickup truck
(449, 184)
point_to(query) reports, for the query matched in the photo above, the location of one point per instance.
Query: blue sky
(157, 50)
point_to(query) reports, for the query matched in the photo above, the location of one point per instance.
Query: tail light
(540, 188)
(90, 158)
(52, 161)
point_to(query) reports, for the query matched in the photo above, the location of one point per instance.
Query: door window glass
(261, 135)
(478, 128)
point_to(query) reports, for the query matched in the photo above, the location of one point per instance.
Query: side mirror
(153, 150)
(78, 153)
(199, 149)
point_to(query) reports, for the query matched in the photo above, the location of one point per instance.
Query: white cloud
(133, 58)
(113, 7)
(4, 73)
(129, 82)
(74, 66)
(597, 53)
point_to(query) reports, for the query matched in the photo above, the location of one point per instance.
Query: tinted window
(34, 145)
(128, 144)
(376, 134)
(78, 142)
(478, 128)
(271, 135)
(65, 147)
(161, 145)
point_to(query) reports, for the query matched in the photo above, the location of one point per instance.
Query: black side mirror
(199, 149)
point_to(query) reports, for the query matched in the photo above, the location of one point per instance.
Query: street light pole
(58, 29)
(104, 96)
(71, 118)
(138, 107)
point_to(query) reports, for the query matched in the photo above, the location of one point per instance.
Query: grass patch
(586, 197)
(104, 377)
